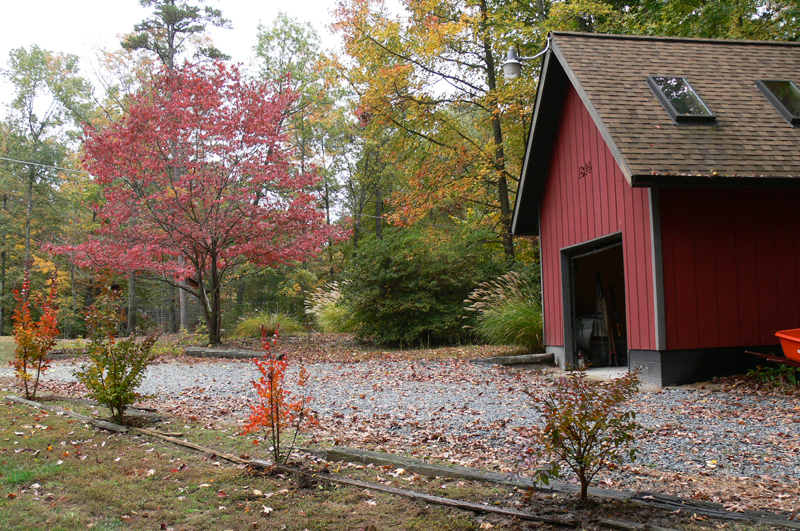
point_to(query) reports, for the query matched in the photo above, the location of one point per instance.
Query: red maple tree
(196, 180)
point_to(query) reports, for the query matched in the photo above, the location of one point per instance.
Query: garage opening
(597, 313)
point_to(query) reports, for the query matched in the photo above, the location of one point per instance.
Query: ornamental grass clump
(252, 325)
(326, 307)
(278, 415)
(116, 368)
(507, 311)
(34, 338)
(586, 427)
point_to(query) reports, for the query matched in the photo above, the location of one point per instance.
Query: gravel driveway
(471, 413)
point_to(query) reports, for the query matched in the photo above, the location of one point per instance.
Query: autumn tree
(173, 23)
(196, 181)
(49, 96)
(289, 53)
(721, 19)
(174, 28)
(433, 74)
(37, 138)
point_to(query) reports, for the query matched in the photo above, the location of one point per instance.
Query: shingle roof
(751, 141)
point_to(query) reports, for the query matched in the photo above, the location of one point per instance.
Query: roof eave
(546, 111)
(519, 228)
(695, 180)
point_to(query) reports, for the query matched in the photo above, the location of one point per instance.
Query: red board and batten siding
(575, 209)
(731, 265)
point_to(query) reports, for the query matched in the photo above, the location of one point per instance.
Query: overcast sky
(81, 26)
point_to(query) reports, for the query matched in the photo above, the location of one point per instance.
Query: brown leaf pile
(405, 433)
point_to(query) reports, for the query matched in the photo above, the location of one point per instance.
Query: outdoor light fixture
(513, 65)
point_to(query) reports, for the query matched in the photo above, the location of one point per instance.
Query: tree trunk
(499, 153)
(211, 301)
(240, 296)
(378, 212)
(174, 320)
(3, 272)
(131, 303)
(74, 299)
(28, 220)
(183, 298)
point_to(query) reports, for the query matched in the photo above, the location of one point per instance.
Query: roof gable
(749, 143)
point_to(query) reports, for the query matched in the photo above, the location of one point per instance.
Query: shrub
(326, 306)
(508, 311)
(408, 288)
(585, 427)
(774, 377)
(276, 412)
(252, 326)
(115, 368)
(34, 338)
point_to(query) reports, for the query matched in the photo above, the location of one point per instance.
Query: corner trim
(658, 270)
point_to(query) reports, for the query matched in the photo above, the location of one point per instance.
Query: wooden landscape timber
(204, 352)
(656, 500)
(650, 499)
(102, 424)
(522, 359)
(631, 526)
(568, 520)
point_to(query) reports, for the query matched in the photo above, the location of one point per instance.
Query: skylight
(784, 96)
(679, 99)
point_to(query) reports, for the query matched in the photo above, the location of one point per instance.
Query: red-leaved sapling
(278, 415)
(34, 338)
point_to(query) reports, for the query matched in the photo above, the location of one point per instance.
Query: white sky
(81, 26)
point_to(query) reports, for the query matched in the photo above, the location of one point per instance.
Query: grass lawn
(6, 350)
(57, 474)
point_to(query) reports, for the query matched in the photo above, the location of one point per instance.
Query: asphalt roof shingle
(750, 139)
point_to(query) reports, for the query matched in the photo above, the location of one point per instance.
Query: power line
(43, 165)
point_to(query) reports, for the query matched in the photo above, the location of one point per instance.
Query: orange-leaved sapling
(278, 415)
(586, 427)
(34, 338)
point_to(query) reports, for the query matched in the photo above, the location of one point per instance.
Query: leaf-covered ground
(731, 443)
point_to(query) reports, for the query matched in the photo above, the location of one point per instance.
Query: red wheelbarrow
(790, 342)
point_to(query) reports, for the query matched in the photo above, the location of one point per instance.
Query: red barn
(661, 175)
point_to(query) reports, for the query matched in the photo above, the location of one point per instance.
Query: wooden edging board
(656, 500)
(521, 359)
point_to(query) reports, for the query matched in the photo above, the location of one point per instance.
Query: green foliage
(774, 376)
(329, 311)
(585, 427)
(508, 311)
(171, 26)
(115, 368)
(270, 321)
(408, 287)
